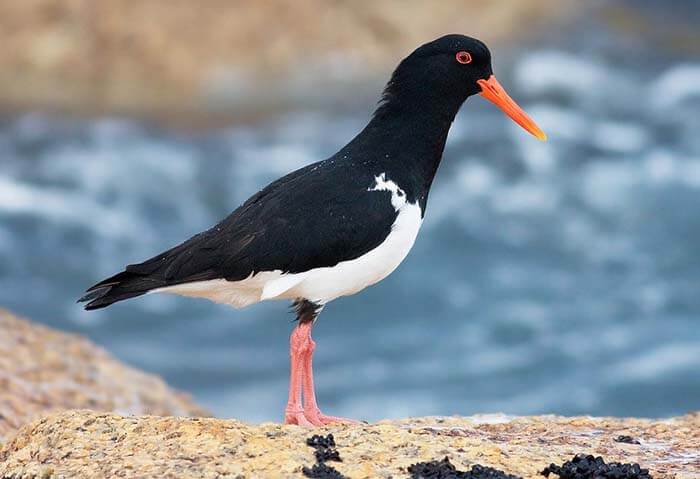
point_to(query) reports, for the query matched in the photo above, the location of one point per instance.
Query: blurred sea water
(557, 277)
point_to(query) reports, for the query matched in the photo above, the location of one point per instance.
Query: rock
(89, 444)
(166, 57)
(43, 370)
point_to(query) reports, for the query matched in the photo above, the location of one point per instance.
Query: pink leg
(298, 342)
(301, 352)
(311, 410)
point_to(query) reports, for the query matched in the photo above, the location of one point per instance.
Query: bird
(334, 227)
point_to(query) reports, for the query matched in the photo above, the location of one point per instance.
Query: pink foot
(301, 383)
(298, 418)
(317, 418)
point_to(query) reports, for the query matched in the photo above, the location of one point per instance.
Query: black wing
(314, 217)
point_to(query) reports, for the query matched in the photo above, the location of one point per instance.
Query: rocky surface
(88, 444)
(43, 370)
(178, 55)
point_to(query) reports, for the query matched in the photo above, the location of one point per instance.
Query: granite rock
(43, 370)
(89, 444)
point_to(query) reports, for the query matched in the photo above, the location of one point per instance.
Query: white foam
(475, 179)
(526, 196)
(676, 85)
(618, 137)
(559, 123)
(547, 71)
(59, 205)
(665, 359)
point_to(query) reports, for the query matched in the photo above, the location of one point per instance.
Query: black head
(439, 76)
(451, 64)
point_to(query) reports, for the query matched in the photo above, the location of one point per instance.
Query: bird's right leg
(301, 345)
(301, 380)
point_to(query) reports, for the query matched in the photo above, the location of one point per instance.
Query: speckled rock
(88, 444)
(43, 370)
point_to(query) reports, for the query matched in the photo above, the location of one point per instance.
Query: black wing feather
(314, 217)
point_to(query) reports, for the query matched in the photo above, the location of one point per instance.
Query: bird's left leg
(307, 313)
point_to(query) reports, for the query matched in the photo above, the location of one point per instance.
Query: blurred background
(557, 277)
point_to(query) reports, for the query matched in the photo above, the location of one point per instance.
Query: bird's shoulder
(314, 185)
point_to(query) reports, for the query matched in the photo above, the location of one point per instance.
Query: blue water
(558, 277)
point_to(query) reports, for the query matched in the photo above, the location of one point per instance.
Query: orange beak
(494, 92)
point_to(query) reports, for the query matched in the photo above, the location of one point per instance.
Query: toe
(299, 419)
(338, 420)
(314, 419)
(320, 419)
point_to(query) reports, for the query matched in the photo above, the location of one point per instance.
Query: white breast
(322, 284)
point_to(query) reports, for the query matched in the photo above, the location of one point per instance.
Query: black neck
(406, 139)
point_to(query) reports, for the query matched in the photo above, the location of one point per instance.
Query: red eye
(463, 57)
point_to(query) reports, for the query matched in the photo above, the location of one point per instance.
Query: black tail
(166, 269)
(119, 287)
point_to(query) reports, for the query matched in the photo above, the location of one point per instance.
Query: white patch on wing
(322, 285)
(398, 196)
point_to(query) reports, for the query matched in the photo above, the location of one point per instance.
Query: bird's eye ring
(463, 57)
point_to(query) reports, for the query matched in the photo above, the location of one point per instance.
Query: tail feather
(138, 279)
(119, 287)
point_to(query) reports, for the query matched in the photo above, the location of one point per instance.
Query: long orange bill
(494, 92)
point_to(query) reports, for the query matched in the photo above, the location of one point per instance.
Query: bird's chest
(349, 277)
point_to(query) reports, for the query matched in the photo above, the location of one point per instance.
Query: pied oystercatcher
(334, 227)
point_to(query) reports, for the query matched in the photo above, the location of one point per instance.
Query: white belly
(321, 284)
